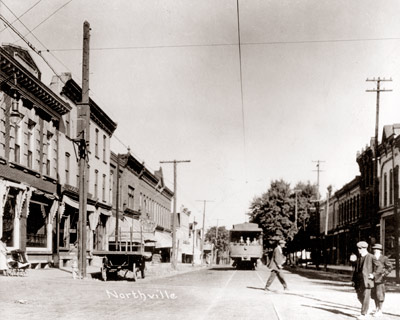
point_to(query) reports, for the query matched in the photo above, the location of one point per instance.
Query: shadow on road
(330, 304)
(255, 288)
(334, 311)
(345, 279)
(222, 268)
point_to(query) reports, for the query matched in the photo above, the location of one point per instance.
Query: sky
(170, 74)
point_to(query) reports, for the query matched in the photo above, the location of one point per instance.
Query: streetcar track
(271, 300)
(218, 295)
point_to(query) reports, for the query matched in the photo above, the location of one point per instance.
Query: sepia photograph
(199, 159)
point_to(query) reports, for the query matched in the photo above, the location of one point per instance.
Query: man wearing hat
(277, 260)
(366, 268)
(378, 292)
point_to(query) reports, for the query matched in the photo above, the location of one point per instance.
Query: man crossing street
(276, 265)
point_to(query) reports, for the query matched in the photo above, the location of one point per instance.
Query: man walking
(276, 265)
(378, 292)
(367, 266)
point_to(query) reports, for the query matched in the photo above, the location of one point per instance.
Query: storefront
(27, 220)
(163, 245)
(388, 225)
(96, 227)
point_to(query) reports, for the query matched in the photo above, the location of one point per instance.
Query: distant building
(188, 242)
(144, 207)
(30, 120)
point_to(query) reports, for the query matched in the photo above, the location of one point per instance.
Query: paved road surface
(218, 293)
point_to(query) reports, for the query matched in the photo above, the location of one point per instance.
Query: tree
(222, 242)
(274, 211)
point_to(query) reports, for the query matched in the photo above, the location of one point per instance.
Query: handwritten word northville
(138, 295)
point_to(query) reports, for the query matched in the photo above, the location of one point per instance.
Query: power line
(241, 75)
(227, 44)
(21, 14)
(30, 45)
(43, 21)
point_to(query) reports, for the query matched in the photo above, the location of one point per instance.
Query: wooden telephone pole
(174, 253)
(83, 141)
(203, 235)
(378, 90)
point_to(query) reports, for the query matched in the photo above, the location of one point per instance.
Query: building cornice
(30, 87)
(74, 92)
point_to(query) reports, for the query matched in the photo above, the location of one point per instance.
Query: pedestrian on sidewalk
(276, 265)
(365, 270)
(378, 292)
(3, 256)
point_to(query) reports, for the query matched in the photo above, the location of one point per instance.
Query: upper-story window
(49, 152)
(103, 188)
(67, 167)
(96, 143)
(17, 145)
(131, 197)
(111, 185)
(68, 124)
(96, 182)
(30, 143)
(104, 148)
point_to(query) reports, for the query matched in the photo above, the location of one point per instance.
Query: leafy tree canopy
(220, 243)
(274, 211)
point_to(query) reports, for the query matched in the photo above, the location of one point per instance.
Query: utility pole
(174, 255)
(326, 226)
(318, 218)
(216, 239)
(83, 141)
(295, 208)
(116, 237)
(318, 171)
(395, 214)
(203, 235)
(193, 239)
(378, 90)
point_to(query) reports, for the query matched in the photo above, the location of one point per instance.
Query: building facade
(389, 191)
(30, 119)
(99, 203)
(188, 238)
(144, 207)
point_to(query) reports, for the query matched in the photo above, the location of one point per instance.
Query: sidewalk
(345, 270)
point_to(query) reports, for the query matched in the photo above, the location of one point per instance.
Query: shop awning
(164, 240)
(75, 204)
(105, 212)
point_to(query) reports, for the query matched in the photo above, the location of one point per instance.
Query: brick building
(30, 123)
(99, 203)
(144, 201)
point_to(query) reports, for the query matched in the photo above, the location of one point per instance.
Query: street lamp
(15, 115)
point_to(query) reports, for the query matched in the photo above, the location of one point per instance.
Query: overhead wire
(227, 44)
(48, 17)
(34, 5)
(27, 42)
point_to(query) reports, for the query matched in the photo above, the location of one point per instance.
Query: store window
(36, 234)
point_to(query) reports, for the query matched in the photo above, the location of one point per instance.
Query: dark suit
(363, 284)
(378, 292)
(277, 260)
